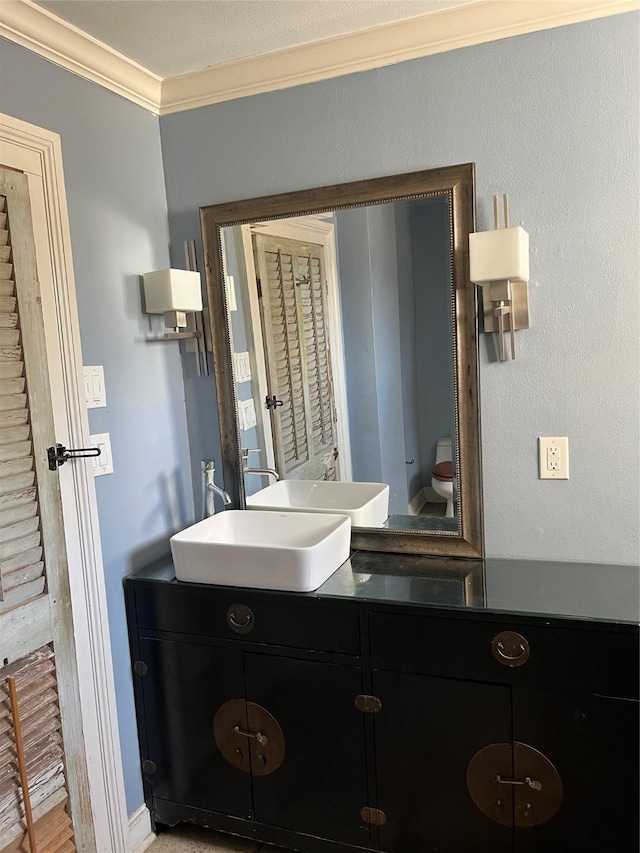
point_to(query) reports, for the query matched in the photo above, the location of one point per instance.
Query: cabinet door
(320, 786)
(183, 688)
(426, 733)
(592, 741)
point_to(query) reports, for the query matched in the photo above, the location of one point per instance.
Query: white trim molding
(387, 44)
(477, 22)
(40, 154)
(37, 29)
(141, 836)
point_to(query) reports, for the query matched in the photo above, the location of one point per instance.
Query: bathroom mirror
(369, 399)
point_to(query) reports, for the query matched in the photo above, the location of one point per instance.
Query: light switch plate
(247, 413)
(102, 464)
(232, 304)
(94, 389)
(553, 457)
(241, 366)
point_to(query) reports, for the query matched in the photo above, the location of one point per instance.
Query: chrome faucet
(267, 472)
(210, 489)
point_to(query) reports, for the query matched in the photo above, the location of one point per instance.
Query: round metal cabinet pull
(510, 648)
(240, 618)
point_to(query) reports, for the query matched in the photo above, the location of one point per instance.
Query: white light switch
(102, 464)
(232, 304)
(95, 393)
(247, 414)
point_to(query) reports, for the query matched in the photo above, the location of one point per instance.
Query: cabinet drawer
(600, 661)
(234, 614)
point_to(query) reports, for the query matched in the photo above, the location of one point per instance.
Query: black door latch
(59, 454)
(272, 403)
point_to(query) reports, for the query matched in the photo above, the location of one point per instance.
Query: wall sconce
(177, 294)
(499, 262)
(174, 293)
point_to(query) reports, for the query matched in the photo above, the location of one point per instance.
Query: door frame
(307, 229)
(81, 527)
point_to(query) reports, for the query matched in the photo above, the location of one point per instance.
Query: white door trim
(319, 230)
(42, 148)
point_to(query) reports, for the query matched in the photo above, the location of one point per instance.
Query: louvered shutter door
(39, 708)
(24, 623)
(295, 338)
(321, 409)
(21, 566)
(281, 330)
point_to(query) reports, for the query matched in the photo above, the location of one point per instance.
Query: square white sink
(264, 550)
(366, 504)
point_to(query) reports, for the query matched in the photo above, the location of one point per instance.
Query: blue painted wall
(551, 118)
(118, 216)
(430, 230)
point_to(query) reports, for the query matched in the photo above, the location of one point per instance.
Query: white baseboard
(140, 834)
(424, 496)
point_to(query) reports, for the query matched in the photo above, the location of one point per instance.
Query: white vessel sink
(288, 551)
(366, 504)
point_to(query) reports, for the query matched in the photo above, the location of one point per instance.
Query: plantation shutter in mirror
(296, 342)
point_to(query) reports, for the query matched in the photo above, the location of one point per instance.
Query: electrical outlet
(553, 457)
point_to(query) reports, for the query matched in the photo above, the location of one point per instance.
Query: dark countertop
(585, 591)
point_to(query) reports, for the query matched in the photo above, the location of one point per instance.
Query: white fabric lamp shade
(499, 255)
(172, 290)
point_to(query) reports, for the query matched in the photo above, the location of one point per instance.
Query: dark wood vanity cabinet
(336, 725)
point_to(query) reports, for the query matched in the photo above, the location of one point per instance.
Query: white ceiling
(170, 37)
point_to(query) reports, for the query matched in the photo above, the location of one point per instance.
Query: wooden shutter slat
(11, 580)
(5, 271)
(9, 338)
(15, 466)
(22, 560)
(10, 353)
(16, 546)
(9, 485)
(20, 496)
(6, 287)
(11, 369)
(13, 401)
(10, 517)
(12, 387)
(22, 594)
(8, 321)
(7, 304)
(15, 450)
(47, 812)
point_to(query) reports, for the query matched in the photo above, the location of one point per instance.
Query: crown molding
(33, 27)
(437, 32)
(478, 22)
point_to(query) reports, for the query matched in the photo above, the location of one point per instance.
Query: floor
(192, 839)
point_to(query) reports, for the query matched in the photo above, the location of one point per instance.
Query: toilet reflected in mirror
(442, 476)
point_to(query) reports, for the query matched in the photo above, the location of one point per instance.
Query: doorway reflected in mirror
(342, 331)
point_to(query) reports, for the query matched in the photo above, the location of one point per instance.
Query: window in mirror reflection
(345, 320)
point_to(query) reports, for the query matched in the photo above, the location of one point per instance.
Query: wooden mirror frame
(457, 183)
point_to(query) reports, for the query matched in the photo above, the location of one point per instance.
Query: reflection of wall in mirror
(235, 267)
(396, 301)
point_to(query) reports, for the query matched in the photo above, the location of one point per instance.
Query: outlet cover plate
(553, 457)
